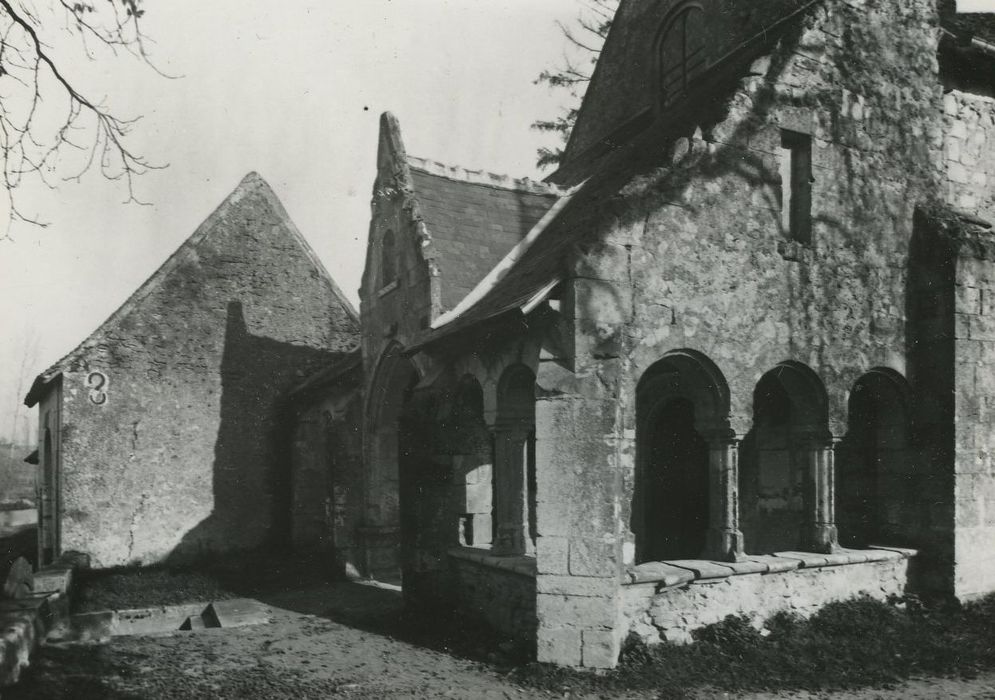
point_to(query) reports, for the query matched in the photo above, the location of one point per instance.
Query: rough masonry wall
(673, 613)
(970, 161)
(710, 265)
(974, 442)
(969, 150)
(696, 257)
(180, 445)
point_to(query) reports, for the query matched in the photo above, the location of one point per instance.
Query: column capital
(716, 437)
(817, 439)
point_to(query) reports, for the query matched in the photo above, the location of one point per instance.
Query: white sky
(976, 5)
(293, 91)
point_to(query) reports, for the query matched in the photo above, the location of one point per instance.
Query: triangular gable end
(395, 220)
(251, 184)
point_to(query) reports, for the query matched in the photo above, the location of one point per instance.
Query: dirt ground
(329, 640)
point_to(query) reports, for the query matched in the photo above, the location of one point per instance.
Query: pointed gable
(250, 222)
(436, 231)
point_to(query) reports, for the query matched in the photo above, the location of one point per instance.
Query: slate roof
(474, 219)
(623, 86)
(546, 259)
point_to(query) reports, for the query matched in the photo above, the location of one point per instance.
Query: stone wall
(174, 438)
(692, 256)
(499, 591)
(969, 150)
(672, 613)
(970, 171)
(328, 477)
(974, 439)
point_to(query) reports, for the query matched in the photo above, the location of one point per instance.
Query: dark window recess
(796, 186)
(388, 259)
(466, 529)
(681, 54)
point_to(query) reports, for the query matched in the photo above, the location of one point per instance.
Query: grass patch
(853, 644)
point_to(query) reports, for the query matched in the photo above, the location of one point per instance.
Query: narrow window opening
(796, 186)
(388, 260)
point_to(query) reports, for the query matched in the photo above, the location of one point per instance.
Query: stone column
(820, 497)
(510, 485)
(724, 540)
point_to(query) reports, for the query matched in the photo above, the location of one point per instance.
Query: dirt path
(306, 653)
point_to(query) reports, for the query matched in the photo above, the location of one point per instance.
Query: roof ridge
(484, 177)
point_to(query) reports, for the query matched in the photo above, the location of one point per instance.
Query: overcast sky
(293, 91)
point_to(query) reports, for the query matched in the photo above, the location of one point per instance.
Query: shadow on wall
(251, 476)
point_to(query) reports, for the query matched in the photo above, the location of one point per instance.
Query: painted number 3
(97, 382)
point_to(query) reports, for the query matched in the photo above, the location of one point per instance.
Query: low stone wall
(25, 621)
(500, 591)
(664, 602)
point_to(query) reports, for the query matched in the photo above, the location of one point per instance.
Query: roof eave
(40, 387)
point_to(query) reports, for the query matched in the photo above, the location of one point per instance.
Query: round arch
(689, 375)
(777, 491)
(874, 489)
(681, 400)
(394, 379)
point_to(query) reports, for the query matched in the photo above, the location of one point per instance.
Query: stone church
(737, 355)
(165, 435)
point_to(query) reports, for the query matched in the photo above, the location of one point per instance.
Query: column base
(725, 545)
(510, 541)
(823, 539)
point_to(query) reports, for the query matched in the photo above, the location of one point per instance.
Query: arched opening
(389, 394)
(874, 488)
(472, 464)
(514, 490)
(790, 420)
(681, 401)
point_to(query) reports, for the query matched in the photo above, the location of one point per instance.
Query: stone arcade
(735, 356)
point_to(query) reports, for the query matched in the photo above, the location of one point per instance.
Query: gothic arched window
(681, 53)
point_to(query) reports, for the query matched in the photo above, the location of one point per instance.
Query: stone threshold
(191, 617)
(518, 564)
(676, 572)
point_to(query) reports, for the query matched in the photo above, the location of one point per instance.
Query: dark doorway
(674, 475)
(873, 484)
(48, 520)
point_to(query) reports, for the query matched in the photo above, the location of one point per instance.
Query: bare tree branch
(44, 112)
(593, 22)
